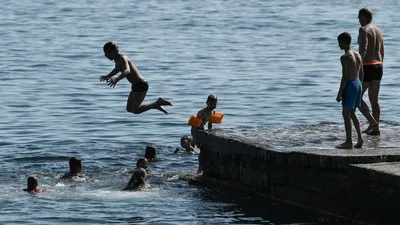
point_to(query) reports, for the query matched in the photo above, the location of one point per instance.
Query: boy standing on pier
(205, 115)
(350, 89)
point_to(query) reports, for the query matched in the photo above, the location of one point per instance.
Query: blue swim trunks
(351, 96)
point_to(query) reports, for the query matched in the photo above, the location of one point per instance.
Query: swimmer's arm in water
(362, 43)
(343, 60)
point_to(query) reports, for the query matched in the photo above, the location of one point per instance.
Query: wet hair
(140, 160)
(110, 47)
(345, 38)
(367, 13)
(32, 183)
(212, 98)
(151, 152)
(75, 165)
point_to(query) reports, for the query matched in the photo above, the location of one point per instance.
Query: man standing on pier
(370, 42)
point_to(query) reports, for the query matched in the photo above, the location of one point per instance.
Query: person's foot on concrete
(345, 145)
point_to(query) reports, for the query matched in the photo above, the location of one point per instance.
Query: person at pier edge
(370, 42)
(139, 85)
(350, 89)
(204, 115)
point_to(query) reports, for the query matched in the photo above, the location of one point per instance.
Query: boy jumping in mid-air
(350, 89)
(139, 85)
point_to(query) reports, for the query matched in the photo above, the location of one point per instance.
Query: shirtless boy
(350, 89)
(370, 42)
(139, 87)
(205, 115)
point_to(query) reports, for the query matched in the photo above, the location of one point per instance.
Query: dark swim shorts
(372, 72)
(141, 86)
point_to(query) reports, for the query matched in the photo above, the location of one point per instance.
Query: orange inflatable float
(217, 118)
(196, 122)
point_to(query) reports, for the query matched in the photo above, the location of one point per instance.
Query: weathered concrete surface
(299, 165)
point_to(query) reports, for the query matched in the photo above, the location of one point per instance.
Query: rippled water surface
(271, 63)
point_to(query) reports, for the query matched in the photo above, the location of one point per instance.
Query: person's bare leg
(136, 99)
(373, 94)
(162, 101)
(356, 123)
(364, 109)
(347, 126)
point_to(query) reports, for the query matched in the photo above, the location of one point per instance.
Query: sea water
(271, 63)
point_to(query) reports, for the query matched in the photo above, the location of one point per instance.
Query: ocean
(271, 63)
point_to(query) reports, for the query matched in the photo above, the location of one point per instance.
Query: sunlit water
(271, 63)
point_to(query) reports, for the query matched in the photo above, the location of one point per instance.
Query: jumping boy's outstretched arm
(111, 74)
(122, 66)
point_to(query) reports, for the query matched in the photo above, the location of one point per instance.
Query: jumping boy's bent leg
(347, 125)
(136, 99)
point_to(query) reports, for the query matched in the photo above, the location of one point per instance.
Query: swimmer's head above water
(151, 153)
(75, 169)
(142, 163)
(32, 184)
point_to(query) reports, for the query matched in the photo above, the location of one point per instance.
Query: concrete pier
(299, 165)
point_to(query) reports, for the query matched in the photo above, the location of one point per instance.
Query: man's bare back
(370, 41)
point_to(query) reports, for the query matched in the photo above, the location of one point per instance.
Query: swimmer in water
(137, 181)
(151, 153)
(32, 184)
(139, 86)
(75, 169)
(141, 163)
(186, 143)
(350, 89)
